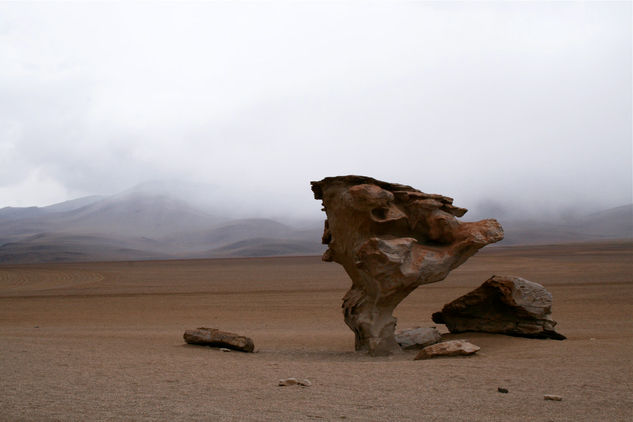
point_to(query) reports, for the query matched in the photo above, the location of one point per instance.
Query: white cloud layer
(526, 103)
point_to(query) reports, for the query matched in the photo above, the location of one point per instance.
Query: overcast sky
(520, 104)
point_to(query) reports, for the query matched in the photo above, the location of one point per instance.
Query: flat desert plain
(103, 341)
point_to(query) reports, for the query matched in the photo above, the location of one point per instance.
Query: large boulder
(391, 238)
(504, 305)
(216, 338)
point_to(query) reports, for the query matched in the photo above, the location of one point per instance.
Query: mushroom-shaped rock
(391, 238)
(504, 305)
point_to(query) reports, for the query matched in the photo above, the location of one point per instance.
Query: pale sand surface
(103, 341)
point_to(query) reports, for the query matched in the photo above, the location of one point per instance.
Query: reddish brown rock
(391, 238)
(216, 338)
(448, 348)
(504, 305)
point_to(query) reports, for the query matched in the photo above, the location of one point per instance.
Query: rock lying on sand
(418, 337)
(294, 381)
(448, 348)
(504, 305)
(216, 338)
(391, 238)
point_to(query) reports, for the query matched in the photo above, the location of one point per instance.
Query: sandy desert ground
(103, 341)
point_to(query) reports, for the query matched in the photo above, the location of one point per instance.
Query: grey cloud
(523, 104)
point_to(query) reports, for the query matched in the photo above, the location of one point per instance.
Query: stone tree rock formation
(391, 238)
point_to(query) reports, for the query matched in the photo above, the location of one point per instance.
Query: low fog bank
(167, 220)
(298, 207)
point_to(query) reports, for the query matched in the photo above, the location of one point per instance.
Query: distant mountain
(138, 224)
(614, 223)
(8, 214)
(130, 214)
(16, 213)
(233, 231)
(51, 247)
(134, 214)
(267, 247)
(148, 222)
(73, 204)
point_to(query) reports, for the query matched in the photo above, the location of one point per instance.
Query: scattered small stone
(552, 397)
(37, 326)
(288, 381)
(592, 339)
(224, 349)
(294, 381)
(448, 348)
(502, 390)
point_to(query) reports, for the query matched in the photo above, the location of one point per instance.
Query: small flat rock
(552, 397)
(224, 349)
(294, 381)
(502, 390)
(215, 338)
(418, 337)
(448, 348)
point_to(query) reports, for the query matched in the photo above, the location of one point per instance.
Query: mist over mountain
(150, 221)
(167, 220)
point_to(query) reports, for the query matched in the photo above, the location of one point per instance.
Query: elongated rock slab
(216, 338)
(448, 348)
(504, 305)
(390, 239)
(418, 337)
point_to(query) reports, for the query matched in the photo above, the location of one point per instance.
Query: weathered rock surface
(552, 397)
(216, 338)
(391, 238)
(448, 348)
(504, 305)
(418, 337)
(294, 381)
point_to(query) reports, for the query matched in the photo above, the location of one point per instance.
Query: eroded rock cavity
(391, 238)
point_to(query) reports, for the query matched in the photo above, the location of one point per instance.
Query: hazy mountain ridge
(147, 223)
(53, 247)
(143, 223)
(613, 223)
(267, 247)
